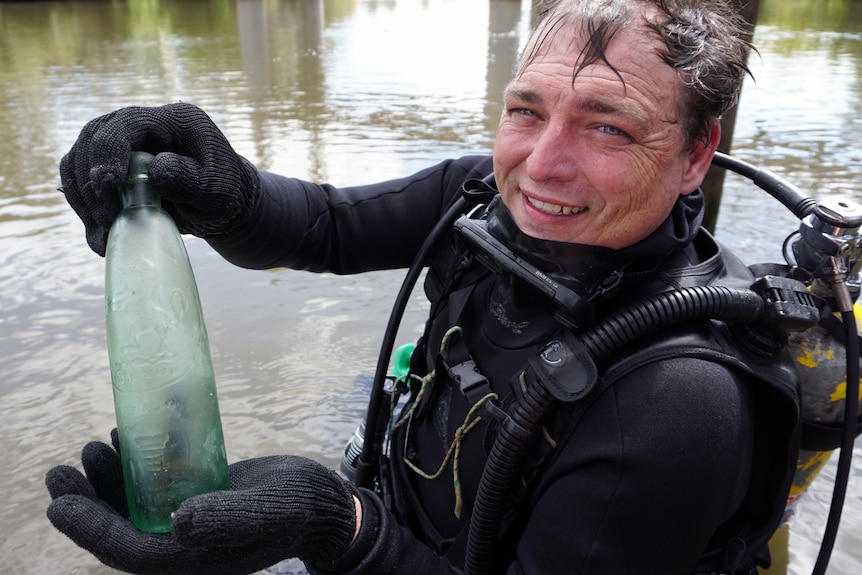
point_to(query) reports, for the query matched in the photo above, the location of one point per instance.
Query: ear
(699, 161)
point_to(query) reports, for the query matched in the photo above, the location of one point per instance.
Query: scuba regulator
(807, 304)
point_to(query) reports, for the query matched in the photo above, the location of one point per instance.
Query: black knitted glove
(278, 507)
(205, 186)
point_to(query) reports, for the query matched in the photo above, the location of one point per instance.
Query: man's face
(597, 162)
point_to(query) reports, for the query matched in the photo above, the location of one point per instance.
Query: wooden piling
(713, 183)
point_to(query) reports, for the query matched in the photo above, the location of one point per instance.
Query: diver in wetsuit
(680, 459)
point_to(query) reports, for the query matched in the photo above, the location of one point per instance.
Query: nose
(553, 157)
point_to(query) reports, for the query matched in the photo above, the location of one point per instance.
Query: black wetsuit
(670, 462)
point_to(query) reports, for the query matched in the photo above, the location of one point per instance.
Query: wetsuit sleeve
(384, 547)
(320, 227)
(659, 461)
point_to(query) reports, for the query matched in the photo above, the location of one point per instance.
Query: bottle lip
(139, 165)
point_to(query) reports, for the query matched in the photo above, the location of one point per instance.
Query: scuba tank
(823, 255)
(820, 357)
(827, 355)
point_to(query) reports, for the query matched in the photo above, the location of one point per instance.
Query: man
(672, 463)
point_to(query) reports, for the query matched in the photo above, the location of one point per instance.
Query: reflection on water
(338, 90)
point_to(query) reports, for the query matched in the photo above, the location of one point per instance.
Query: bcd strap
(824, 435)
(455, 357)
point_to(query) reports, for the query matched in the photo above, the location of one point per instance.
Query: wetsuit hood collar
(593, 270)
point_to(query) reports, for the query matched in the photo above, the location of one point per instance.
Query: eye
(523, 117)
(523, 112)
(611, 130)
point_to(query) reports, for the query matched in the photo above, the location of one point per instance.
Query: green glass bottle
(171, 441)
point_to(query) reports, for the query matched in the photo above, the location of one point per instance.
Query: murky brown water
(347, 92)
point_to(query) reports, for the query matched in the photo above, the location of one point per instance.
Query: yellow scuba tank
(821, 361)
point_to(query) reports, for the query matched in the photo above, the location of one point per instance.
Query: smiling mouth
(554, 209)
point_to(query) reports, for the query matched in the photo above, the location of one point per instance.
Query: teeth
(554, 208)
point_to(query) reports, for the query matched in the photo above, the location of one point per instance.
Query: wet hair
(703, 40)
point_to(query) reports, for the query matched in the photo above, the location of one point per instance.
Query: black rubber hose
(790, 196)
(700, 302)
(842, 472)
(525, 422)
(513, 438)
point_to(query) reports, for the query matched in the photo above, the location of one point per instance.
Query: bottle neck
(137, 193)
(136, 190)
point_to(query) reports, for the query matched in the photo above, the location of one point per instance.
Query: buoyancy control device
(808, 301)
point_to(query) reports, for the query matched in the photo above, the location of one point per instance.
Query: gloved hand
(205, 186)
(278, 507)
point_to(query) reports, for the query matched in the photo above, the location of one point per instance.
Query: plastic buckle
(470, 380)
